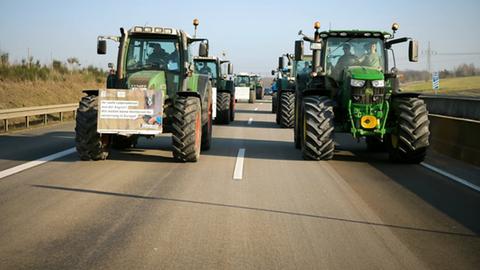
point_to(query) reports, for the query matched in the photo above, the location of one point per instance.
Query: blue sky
(252, 33)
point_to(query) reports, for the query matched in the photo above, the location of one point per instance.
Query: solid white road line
(261, 103)
(238, 171)
(256, 109)
(34, 163)
(451, 176)
(250, 120)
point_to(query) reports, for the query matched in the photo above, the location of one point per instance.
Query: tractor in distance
(154, 90)
(244, 89)
(283, 101)
(223, 88)
(353, 88)
(257, 84)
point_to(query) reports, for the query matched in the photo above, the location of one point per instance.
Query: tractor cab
(153, 57)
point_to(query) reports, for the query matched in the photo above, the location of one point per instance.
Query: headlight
(378, 83)
(357, 83)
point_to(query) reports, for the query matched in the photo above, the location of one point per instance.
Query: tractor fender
(405, 94)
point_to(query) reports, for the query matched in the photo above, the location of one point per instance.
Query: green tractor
(283, 101)
(353, 88)
(245, 87)
(224, 90)
(154, 90)
(256, 83)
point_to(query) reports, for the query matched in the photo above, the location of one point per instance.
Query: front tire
(287, 109)
(223, 109)
(89, 143)
(317, 139)
(410, 141)
(187, 129)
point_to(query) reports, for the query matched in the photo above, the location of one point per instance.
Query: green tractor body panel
(365, 101)
(152, 80)
(192, 84)
(365, 73)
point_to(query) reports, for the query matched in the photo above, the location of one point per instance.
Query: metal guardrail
(27, 112)
(453, 106)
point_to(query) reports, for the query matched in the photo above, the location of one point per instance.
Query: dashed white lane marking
(451, 176)
(250, 120)
(238, 171)
(34, 163)
(256, 109)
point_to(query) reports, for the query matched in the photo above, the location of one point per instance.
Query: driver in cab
(346, 60)
(371, 58)
(159, 56)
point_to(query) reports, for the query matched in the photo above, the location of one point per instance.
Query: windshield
(343, 52)
(303, 67)
(242, 80)
(153, 54)
(207, 68)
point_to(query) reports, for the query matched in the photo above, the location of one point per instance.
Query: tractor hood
(150, 79)
(365, 73)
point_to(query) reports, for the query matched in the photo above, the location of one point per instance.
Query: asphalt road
(142, 210)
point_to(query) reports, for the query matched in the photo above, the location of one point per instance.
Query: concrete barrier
(455, 106)
(455, 137)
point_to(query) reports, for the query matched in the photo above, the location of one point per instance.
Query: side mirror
(203, 49)
(273, 72)
(101, 47)
(230, 69)
(413, 51)
(281, 63)
(298, 50)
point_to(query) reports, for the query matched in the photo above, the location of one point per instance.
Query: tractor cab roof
(154, 30)
(356, 33)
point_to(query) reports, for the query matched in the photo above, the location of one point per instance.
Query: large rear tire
(260, 93)
(89, 143)
(223, 108)
(287, 109)
(207, 130)
(187, 129)
(317, 139)
(410, 141)
(232, 108)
